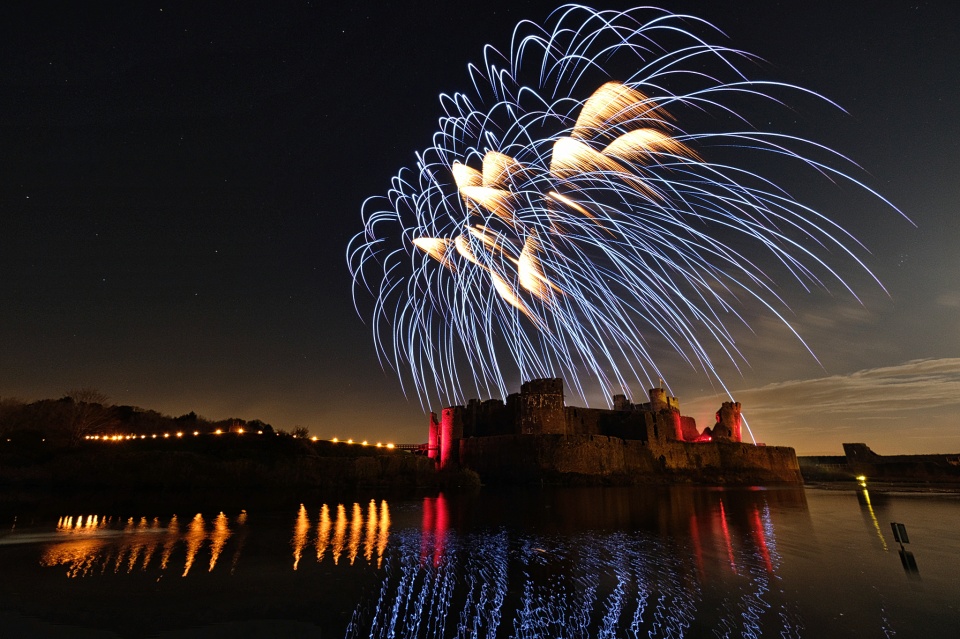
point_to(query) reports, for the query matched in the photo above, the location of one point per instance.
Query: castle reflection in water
(92, 544)
(661, 561)
(584, 569)
(596, 564)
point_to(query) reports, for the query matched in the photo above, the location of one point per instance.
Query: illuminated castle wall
(652, 438)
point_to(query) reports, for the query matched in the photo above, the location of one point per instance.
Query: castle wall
(531, 458)
(598, 421)
(929, 468)
(620, 402)
(492, 417)
(541, 407)
(688, 428)
(583, 421)
(535, 436)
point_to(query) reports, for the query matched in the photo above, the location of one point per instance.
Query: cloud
(950, 299)
(886, 404)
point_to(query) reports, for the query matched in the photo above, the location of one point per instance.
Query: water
(584, 562)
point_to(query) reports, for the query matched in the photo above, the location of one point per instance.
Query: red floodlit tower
(433, 440)
(446, 437)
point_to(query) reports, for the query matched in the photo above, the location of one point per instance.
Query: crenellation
(656, 431)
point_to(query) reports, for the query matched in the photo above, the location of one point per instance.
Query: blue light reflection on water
(590, 562)
(592, 583)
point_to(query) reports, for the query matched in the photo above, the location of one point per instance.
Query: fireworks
(570, 212)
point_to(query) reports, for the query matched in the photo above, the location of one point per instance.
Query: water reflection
(195, 537)
(93, 544)
(596, 562)
(863, 497)
(300, 531)
(544, 573)
(377, 523)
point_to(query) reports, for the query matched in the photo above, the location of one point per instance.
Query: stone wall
(688, 427)
(541, 407)
(928, 468)
(491, 417)
(602, 459)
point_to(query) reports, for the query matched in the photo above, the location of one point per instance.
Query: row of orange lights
(363, 443)
(117, 438)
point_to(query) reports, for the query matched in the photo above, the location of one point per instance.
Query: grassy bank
(212, 463)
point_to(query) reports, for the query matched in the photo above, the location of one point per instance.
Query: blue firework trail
(570, 217)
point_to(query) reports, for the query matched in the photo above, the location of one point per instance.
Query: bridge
(413, 448)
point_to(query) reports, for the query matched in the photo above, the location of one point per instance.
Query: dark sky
(178, 183)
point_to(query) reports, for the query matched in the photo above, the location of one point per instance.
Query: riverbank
(223, 464)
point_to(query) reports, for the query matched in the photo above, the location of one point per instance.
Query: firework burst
(570, 212)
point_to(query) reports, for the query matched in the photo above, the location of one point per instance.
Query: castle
(536, 436)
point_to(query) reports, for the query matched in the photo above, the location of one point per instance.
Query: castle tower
(658, 399)
(728, 422)
(620, 402)
(451, 432)
(433, 440)
(541, 407)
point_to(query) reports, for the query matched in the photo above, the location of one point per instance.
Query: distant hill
(86, 413)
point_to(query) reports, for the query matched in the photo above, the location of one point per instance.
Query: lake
(573, 562)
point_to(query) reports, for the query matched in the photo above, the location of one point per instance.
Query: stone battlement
(466, 436)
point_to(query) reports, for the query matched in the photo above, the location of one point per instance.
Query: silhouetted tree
(301, 432)
(257, 425)
(86, 412)
(10, 412)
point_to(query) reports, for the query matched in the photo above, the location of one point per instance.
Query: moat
(658, 561)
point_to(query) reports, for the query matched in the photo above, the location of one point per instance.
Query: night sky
(178, 185)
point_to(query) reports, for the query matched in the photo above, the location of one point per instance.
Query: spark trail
(572, 216)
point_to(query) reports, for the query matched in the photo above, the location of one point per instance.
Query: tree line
(87, 412)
